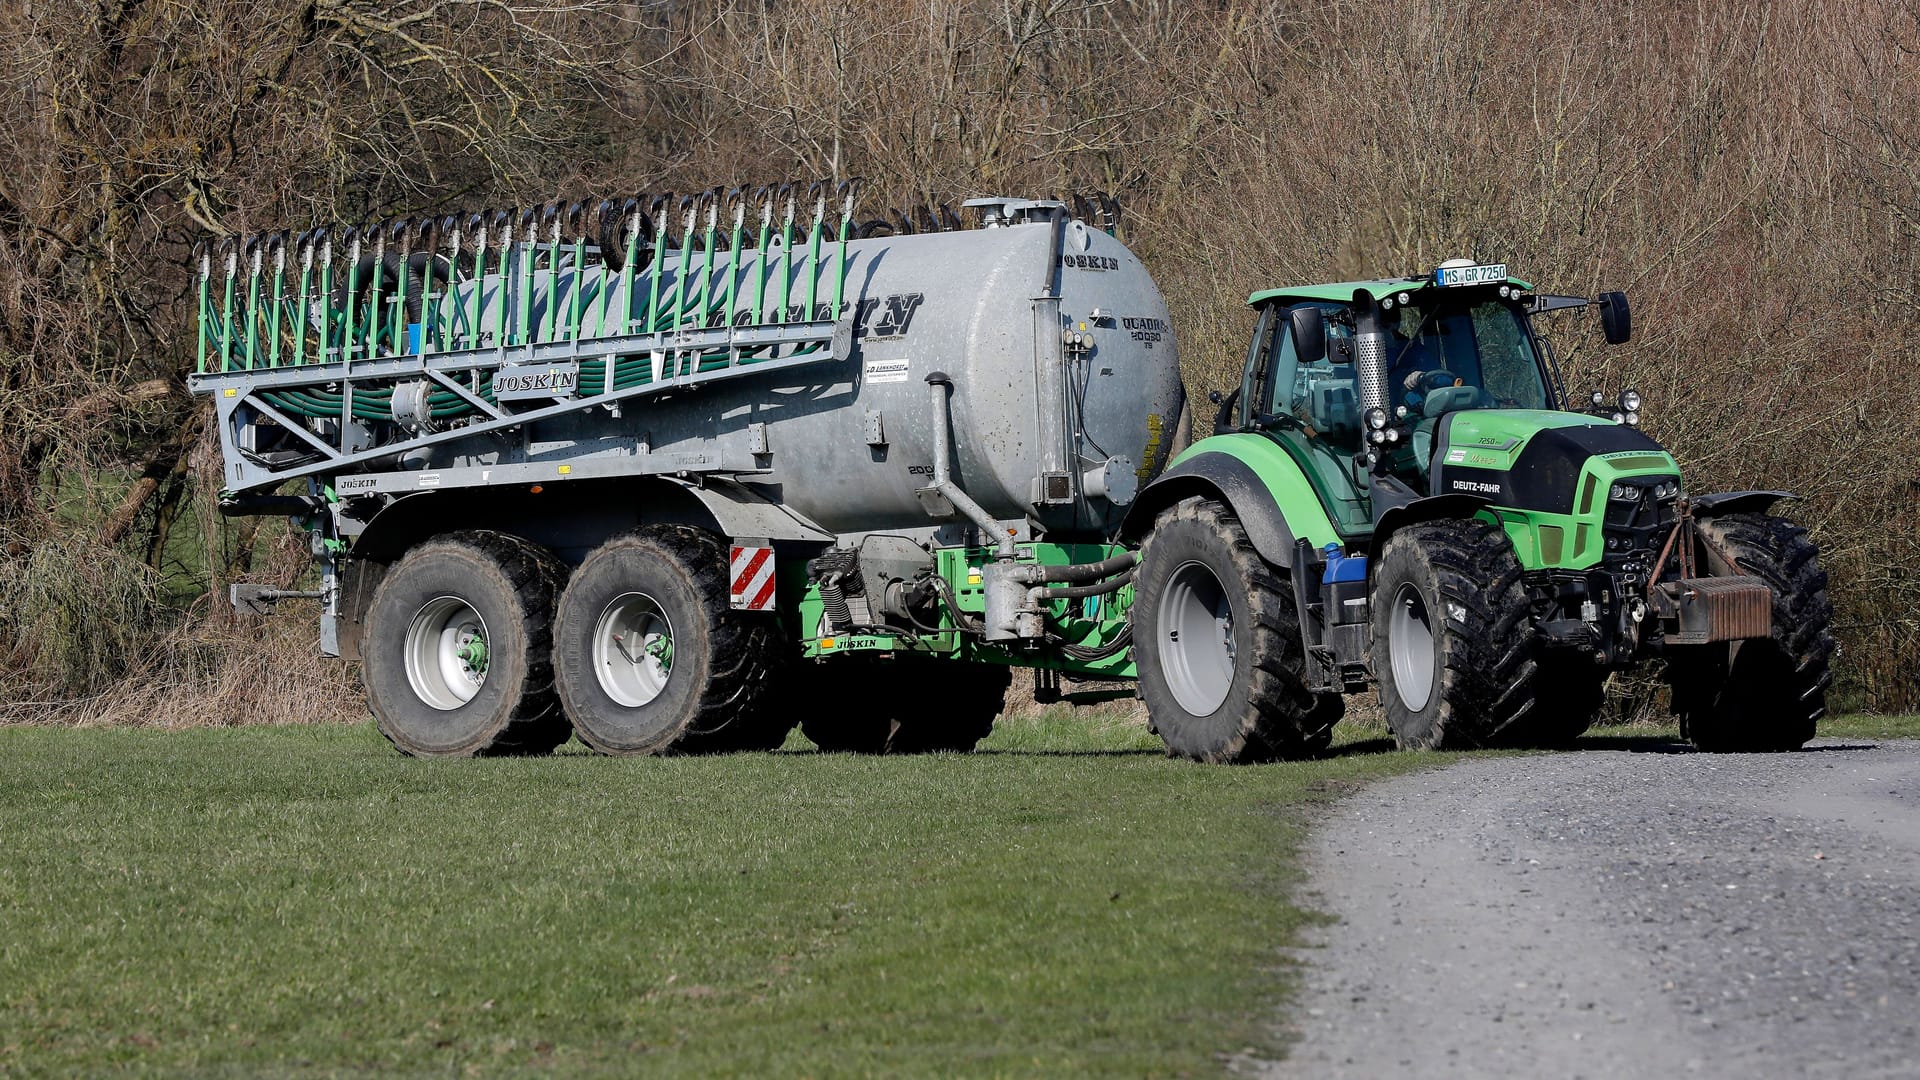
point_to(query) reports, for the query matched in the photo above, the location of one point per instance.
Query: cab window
(1323, 397)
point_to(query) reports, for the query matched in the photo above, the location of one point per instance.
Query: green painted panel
(1287, 483)
(1552, 539)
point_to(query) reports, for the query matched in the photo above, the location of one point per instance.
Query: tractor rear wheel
(885, 707)
(1451, 636)
(458, 658)
(1222, 668)
(649, 655)
(1764, 694)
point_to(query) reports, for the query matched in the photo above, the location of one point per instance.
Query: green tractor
(1401, 492)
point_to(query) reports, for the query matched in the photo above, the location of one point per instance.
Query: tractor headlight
(1599, 399)
(1405, 299)
(1630, 401)
(1376, 418)
(1667, 490)
(1633, 419)
(1623, 493)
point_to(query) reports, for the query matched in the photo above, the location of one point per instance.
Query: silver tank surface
(1065, 375)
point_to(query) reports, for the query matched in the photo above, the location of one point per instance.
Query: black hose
(1100, 652)
(1078, 572)
(961, 620)
(1098, 588)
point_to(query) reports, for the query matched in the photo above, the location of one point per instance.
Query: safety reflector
(752, 578)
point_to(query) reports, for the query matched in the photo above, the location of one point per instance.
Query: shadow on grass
(1381, 745)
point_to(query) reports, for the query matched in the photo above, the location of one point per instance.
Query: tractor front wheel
(1451, 638)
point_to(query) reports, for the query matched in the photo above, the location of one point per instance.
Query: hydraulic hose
(1098, 588)
(1100, 652)
(1078, 572)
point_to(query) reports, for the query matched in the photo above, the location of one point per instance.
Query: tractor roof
(1342, 291)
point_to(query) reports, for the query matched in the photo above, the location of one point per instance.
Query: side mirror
(1616, 318)
(1309, 325)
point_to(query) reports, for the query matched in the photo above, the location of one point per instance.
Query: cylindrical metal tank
(1065, 376)
(975, 305)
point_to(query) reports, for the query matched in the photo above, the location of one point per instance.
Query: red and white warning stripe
(752, 578)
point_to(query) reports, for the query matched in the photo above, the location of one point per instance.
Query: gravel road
(1644, 911)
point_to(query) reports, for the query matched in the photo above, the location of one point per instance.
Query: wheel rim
(633, 649)
(446, 653)
(1410, 642)
(1195, 633)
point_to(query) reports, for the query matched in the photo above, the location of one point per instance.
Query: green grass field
(302, 901)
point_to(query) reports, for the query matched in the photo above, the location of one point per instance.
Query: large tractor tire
(1451, 637)
(1221, 665)
(650, 657)
(1765, 694)
(458, 658)
(911, 705)
(1568, 693)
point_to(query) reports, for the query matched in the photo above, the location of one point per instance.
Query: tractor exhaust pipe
(1370, 351)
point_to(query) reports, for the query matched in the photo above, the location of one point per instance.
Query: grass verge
(302, 901)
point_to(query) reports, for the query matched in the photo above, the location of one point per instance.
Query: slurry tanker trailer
(678, 475)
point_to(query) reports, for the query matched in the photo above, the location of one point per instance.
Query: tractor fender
(1430, 508)
(1736, 502)
(1229, 479)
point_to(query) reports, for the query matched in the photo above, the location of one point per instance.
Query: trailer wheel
(649, 656)
(1763, 695)
(883, 706)
(1221, 665)
(458, 658)
(1451, 643)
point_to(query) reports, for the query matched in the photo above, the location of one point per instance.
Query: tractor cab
(1359, 381)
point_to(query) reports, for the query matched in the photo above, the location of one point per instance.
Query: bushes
(76, 618)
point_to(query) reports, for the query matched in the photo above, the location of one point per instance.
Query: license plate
(1472, 275)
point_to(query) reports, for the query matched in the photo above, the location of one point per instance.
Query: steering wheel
(1419, 384)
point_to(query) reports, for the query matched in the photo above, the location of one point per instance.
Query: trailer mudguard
(577, 516)
(1256, 479)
